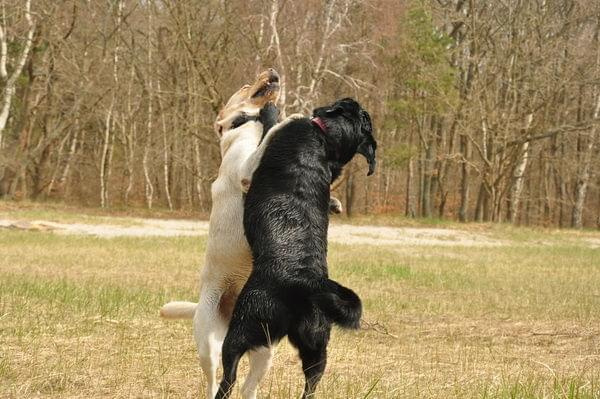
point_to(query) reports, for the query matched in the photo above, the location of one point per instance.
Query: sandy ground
(340, 233)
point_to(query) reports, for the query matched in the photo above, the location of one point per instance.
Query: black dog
(285, 221)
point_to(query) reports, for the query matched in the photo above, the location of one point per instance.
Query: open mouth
(270, 85)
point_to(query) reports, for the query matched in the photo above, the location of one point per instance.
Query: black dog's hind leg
(314, 361)
(311, 337)
(268, 117)
(231, 357)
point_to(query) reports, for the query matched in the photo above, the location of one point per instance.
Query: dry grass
(64, 213)
(78, 318)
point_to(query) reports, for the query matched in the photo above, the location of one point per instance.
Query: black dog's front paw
(268, 116)
(335, 205)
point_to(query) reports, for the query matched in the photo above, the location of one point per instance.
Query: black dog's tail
(340, 304)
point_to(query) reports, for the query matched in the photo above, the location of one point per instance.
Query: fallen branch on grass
(377, 327)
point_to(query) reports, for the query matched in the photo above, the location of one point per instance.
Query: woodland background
(484, 110)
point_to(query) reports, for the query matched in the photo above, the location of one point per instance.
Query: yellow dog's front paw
(245, 184)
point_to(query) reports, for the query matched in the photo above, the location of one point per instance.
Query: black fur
(242, 119)
(285, 221)
(268, 116)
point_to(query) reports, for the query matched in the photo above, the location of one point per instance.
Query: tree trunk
(104, 159)
(55, 172)
(199, 175)
(129, 132)
(10, 81)
(65, 173)
(479, 208)
(598, 206)
(129, 141)
(165, 150)
(420, 182)
(465, 149)
(583, 175)
(409, 209)
(427, 172)
(518, 176)
(149, 188)
(350, 193)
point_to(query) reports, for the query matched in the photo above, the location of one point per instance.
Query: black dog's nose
(273, 76)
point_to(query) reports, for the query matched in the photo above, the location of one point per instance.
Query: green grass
(79, 318)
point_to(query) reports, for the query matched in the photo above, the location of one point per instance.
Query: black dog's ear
(367, 149)
(369, 145)
(345, 104)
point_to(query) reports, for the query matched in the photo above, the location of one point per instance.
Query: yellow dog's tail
(178, 310)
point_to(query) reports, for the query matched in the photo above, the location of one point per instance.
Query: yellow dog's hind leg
(260, 362)
(209, 332)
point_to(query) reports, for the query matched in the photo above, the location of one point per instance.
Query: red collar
(319, 122)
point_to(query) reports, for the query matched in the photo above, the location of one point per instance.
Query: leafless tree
(483, 110)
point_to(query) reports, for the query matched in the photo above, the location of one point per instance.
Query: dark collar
(243, 118)
(319, 122)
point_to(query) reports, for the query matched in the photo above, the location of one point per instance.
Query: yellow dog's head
(249, 99)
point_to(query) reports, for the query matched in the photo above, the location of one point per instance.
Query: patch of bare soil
(139, 228)
(408, 236)
(340, 233)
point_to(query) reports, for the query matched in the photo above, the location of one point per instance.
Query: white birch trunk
(129, 138)
(261, 33)
(129, 162)
(199, 179)
(65, 173)
(518, 175)
(149, 189)
(108, 143)
(103, 161)
(10, 81)
(331, 26)
(58, 162)
(277, 44)
(3, 47)
(165, 150)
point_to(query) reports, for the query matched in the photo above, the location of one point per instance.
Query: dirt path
(340, 233)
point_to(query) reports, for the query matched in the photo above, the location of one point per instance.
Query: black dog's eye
(334, 110)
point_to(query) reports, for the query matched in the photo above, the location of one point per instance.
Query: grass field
(79, 318)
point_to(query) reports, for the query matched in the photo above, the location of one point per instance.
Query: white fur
(260, 362)
(178, 310)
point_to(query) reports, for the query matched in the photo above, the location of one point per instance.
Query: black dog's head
(349, 125)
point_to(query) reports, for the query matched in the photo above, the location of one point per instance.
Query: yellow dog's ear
(219, 125)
